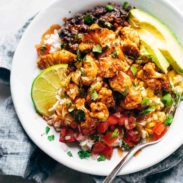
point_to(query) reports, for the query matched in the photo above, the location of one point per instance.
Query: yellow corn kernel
(150, 125)
(149, 131)
(150, 92)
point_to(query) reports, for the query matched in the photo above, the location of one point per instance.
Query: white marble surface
(13, 15)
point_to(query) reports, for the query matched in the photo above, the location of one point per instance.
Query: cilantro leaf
(168, 120)
(84, 154)
(47, 129)
(69, 154)
(94, 95)
(51, 138)
(101, 158)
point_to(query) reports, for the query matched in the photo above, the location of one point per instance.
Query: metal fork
(137, 148)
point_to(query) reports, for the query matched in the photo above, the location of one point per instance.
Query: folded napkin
(19, 156)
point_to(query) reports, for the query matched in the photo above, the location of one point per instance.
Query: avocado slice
(165, 41)
(148, 44)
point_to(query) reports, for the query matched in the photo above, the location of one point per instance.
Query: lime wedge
(46, 86)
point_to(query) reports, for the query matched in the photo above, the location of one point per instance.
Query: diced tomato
(130, 144)
(108, 139)
(159, 130)
(98, 148)
(122, 120)
(112, 120)
(102, 127)
(107, 152)
(67, 135)
(133, 136)
(130, 123)
(129, 72)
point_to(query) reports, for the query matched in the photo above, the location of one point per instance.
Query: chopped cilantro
(94, 95)
(114, 54)
(145, 101)
(47, 129)
(78, 115)
(109, 7)
(69, 154)
(88, 19)
(115, 133)
(168, 120)
(125, 93)
(97, 49)
(167, 99)
(51, 138)
(79, 55)
(68, 104)
(84, 154)
(82, 70)
(101, 158)
(147, 111)
(126, 146)
(62, 46)
(125, 5)
(43, 49)
(133, 70)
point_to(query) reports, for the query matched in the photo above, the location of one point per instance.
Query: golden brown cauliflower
(120, 82)
(132, 100)
(58, 57)
(89, 70)
(99, 111)
(131, 42)
(105, 96)
(76, 76)
(72, 90)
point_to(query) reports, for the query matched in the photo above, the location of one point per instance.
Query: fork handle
(118, 167)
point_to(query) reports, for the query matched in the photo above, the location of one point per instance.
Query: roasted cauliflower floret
(110, 66)
(132, 100)
(120, 82)
(76, 76)
(97, 84)
(84, 47)
(131, 42)
(105, 96)
(72, 91)
(89, 70)
(80, 105)
(58, 57)
(153, 79)
(99, 111)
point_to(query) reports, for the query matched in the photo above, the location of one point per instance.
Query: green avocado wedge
(45, 87)
(165, 40)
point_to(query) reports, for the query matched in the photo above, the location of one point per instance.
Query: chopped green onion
(115, 133)
(125, 5)
(145, 101)
(133, 70)
(114, 54)
(97, 49)
(109, 7)
(88, 19)
(94, 95)
(108, 24)
(51, 138)
(47, 129)
(69, 154)
(167, 99)
(101, 158)
(168, 120)
(147, 111)
(84, 154)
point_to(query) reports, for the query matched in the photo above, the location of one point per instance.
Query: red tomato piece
(107, 152)
(133, 136)
(130, 144)
(102, 127)
(108, 139)
(67, 135)
(122, 120)
(98, 147)
(159, 128)
(130, 123)
(112, 120)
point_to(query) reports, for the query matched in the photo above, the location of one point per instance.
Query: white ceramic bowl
(24, 70)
